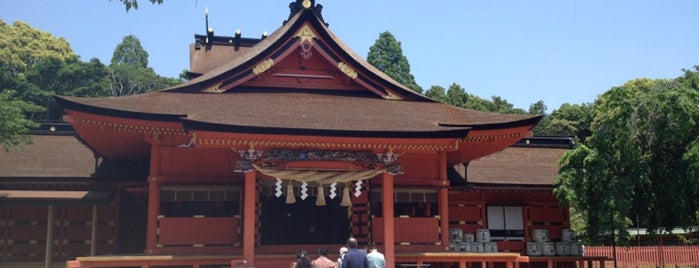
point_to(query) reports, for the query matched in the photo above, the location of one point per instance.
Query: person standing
(354, 258)
(375, 259)
(322, 261)
(302, 260)
(343, 250)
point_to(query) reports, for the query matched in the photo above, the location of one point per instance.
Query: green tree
(130, 52)
(637, 163)
(83, 79)
(129, 73)
(437, 93)
(30, 60)
(129, 4)
(501, 105)
(37, 66)
(569, 120)
(538, 107)
(14, 125)
(22, 46)
(457, 96)
(387, 55)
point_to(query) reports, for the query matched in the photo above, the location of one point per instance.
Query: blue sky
(524, 51)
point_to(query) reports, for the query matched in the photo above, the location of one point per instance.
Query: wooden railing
(649, 256)
(155, 261)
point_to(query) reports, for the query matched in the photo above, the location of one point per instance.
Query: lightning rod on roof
(206, 12)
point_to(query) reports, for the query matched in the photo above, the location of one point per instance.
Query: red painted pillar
(249, 219)
(444, 200)
(153, 195)
(153, 210)
(388, 221)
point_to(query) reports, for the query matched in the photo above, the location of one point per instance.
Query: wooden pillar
(93, 236)
(153, 195)
(525, 211)
(444, 200)
(388, 221)
(49, 237)
(153, 211)
(249, 219)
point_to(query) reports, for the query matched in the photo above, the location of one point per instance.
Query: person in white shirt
(375, 259)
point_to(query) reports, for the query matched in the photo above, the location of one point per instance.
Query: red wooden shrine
(294, 142)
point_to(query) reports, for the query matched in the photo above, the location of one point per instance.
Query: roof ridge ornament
(301, 5)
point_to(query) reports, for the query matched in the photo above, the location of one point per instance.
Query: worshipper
(302, 260)
(322, 261)
(343, 250)
(355, 257)
(375, 259)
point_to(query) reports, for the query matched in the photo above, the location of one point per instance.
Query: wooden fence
(649, 256)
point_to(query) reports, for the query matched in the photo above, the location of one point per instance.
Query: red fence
(649, 256)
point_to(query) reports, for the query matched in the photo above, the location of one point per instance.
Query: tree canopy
(129, 73)
(387, 55)
(571, 120)
(456, 95)
(130, 52)
(638, 163)
(35, 66)
(14, 126)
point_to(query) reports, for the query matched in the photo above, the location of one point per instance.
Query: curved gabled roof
(250, 95)
(253, 110)
(286, 38)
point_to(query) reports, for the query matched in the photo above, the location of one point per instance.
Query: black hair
(302, 260)
(323, 251)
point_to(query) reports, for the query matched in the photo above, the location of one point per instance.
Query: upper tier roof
(300, 80)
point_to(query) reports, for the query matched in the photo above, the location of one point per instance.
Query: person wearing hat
(343, 250)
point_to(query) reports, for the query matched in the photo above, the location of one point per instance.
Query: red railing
(649, 256)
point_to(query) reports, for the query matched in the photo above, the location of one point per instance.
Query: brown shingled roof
(312, 110)
(517, 166)
(49, 157)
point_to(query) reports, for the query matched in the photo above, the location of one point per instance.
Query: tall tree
(538, 107)
(29, 63)
(129, 73)
(437, 93)
(387, 55)
(38, 65)
(457, 96)
(130, 52)
(637, 163)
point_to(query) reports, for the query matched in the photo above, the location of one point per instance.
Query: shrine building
(286, 142)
